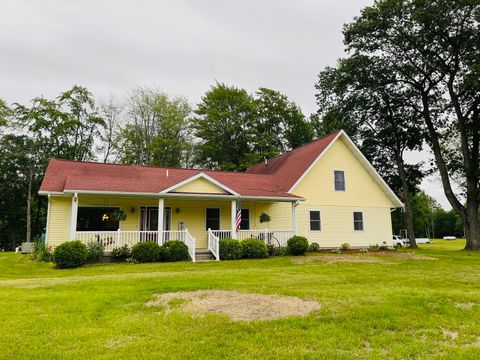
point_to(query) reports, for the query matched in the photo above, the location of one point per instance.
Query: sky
(180, 47)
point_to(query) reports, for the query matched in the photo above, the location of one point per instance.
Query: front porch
(199, 222)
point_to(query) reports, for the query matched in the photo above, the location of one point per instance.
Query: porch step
(203, 255)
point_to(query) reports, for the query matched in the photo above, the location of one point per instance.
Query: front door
(149, 221)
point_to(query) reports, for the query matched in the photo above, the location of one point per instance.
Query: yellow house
(325, 190)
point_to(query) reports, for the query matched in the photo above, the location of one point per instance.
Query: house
(325, 190)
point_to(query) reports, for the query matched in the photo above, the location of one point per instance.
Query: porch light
(177, 210)
(132, 210)
(105, 217)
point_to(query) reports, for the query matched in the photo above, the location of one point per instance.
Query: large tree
(431, 48)
(359, 94)
(156, 131)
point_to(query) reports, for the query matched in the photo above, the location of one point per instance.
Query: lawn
(395, 308)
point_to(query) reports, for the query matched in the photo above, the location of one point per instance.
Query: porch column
(161, 207)
(294, 217)
(73, 217)
(233, 214)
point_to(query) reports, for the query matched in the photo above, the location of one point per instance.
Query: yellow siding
(200, 186)
(362, 194)
(59, 220)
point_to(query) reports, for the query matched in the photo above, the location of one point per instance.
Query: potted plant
(264, 218)
(119, 215)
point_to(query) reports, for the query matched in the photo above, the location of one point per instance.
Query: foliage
(121, 253)
(164, 254)
(345, 246)
(41, 252)
(374, 247)
(70, 254)
(336, 251)
(119, 215)
(254, 249)
(178, 250)
(313, 246)
(264, 218)
(145, 252)
(363, 250)
(230, 249)
(297, 245)
(95, 252)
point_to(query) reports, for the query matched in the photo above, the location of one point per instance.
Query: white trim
(294, 217)
(48, 220)
(363, 220)
(184, 195)
(344, 180)
(48, 193)
(198, 176)
(160, 219)
(371, 170)
(73, 217)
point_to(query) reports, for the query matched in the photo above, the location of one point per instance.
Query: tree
(431, 48)
(111, 111)
(224, 125)
(359, 94)
(280, 124)
(157, 129)
(5, 112)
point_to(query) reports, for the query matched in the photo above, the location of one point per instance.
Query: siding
(200, 186)
(59, 220)
(362, 194)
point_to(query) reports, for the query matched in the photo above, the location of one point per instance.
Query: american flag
(239, 215)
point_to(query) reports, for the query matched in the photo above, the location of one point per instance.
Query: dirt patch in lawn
(238, 306)
(465, 306)
(336, 259)
(404, 255)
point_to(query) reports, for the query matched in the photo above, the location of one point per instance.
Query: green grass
(397, 309)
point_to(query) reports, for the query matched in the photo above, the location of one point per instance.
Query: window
(245, 223)
(315, 222)
(339, 180)
(90, 218)
(358, 221)
(212, 219)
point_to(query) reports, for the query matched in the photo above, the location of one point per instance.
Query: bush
(254, 249)
(95, 252)
(145, 252)
(178, 250)
(383, 247)
(374, 247)
(70, 254)
(336, 251)
(164, 254)
(41, 252)
(282, 251)
(297, 245)
(313, 247)
(230, 249)
(121, 254)
(345, 246)
(363, 250)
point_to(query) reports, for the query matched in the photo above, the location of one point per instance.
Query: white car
(398, 241)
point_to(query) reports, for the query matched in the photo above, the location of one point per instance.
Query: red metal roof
(272, 180)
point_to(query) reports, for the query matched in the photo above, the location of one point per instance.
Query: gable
(200, 186)
(363, 187)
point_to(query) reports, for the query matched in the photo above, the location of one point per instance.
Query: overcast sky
(181, 47)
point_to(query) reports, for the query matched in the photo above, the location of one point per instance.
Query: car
(449, 238)
(398, 241)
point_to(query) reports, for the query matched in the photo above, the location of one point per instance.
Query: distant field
(398, 305)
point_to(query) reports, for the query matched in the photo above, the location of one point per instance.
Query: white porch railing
(115, 239)
(213, 242)
(222, 234)
(273, 237)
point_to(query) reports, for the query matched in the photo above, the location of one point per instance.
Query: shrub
(178, 250)
(374, 247)
(121, 253)
(383, 247)
(345, 246)
(145, 252)
(297, 245)
(70, 254)
(313, 247)
(336, 251)
(230, 249)
(363, 250)
(95, 252)
(41, 252)
(282, 251)
(254, 249)
(164, 254)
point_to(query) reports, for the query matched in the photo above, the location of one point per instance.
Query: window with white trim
(315, 221)
(245, 223)
(339, 179)
(212, 219)
(358, 221)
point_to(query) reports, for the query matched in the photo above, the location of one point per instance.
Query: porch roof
(65, 176)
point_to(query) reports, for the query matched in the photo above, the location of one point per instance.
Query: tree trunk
(408, 204)
(471, 223)
(29, 207)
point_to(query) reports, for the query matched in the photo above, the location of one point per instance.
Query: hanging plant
(119, 215)
(264, 218)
